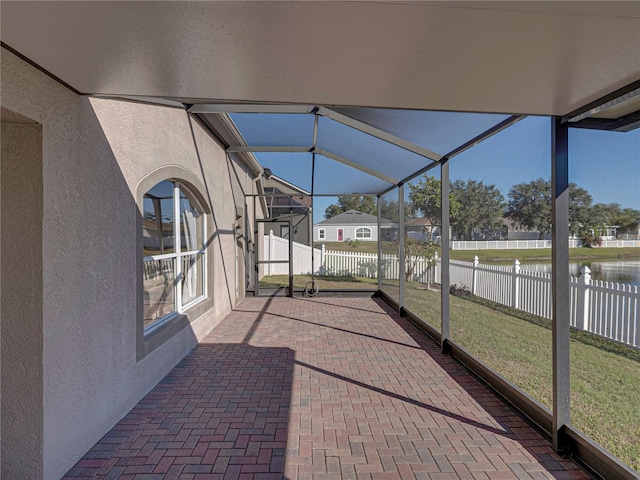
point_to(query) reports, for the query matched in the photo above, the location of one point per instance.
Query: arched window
(363, 233)
(173, 237)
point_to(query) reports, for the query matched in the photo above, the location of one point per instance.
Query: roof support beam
(380, 134)
(246, 108)
(357, 166)
(484, 135)
(624, 93)
(264, 148)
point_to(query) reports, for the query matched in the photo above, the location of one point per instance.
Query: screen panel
(275, 129)
(367, 150)
(335, 178)
(441, 132)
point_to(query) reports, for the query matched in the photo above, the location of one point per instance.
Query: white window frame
(322, 234)
(363, 237)
(178, 256)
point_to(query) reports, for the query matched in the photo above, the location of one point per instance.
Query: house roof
(355, 217)
(418, 222)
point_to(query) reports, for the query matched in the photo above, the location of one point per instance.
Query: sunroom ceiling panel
(368, 151)
(546, 58)
(441, 132)
(334, 178)
(273, 129)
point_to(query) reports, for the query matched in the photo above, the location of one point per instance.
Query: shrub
(459, 290)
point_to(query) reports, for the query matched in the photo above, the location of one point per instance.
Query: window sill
(164, 329)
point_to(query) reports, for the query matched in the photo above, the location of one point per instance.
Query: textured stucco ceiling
(544, 58)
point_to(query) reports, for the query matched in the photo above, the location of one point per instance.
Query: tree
(425, 197)
(483, 207)
(362, 203)
(603, 215)
(627, 221)
(415, 252)
(606, 215)
(529, 206)
(579, 208)
(389, 209)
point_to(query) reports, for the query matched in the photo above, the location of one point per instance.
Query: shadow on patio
(320, 389)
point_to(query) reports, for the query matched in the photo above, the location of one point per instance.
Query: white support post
(515, 289)
(474, 278)
(322, 268)
(434, 279)
(583, 299)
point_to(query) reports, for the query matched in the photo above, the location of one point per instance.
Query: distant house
(354, 225)
(517, 232)
(421, 229)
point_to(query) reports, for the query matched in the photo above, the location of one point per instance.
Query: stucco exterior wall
(95, 152)
(21, 262)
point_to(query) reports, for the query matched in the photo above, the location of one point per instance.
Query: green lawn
(542, 255)
(538, 255)
(605, 376)
(325, 282)
(361, 247)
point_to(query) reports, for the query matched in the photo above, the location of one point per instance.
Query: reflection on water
(621, 272)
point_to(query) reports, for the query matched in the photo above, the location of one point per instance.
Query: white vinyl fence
(277, 249)
(521, 244)
(609, 309)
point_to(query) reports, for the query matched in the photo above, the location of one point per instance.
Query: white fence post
(515, 289)
(270, 254)
(582, 320)
(321, 269)
(435, 268)
(474, 278)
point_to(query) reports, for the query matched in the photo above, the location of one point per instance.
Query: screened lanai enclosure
(311, 153)
(165, 160)
(315, 158)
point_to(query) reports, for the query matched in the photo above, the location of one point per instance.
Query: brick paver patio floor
(324, 388)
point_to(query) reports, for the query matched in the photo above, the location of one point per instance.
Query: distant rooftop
(355, 217)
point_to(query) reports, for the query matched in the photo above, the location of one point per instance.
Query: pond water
(621, 272)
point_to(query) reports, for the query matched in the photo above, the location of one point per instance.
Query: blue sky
(606, 164)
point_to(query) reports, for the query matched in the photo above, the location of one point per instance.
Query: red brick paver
(324, 388)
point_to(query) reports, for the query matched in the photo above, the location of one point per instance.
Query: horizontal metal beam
(484, 135)
(628, 91)
(595, 457)
(411, 177)
(623, 124)
(380, 134)
(246, 108)
(355, 165)
(344, 193)
(264, 148)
